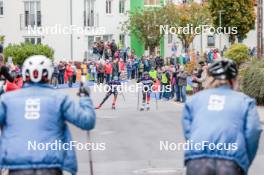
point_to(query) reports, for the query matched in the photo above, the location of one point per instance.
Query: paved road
(133, 140)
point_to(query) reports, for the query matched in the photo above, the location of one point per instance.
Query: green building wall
(136, 44)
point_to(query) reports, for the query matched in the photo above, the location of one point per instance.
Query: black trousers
(50, 171)
(208, 166)
(101, 77)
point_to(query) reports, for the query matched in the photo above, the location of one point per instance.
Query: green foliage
(189, 14)
(2, 39)
(238, 53)
(145, 25)
(19, 52)
(253, 81)
(238, 13)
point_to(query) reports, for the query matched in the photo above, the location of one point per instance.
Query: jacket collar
(224, 87)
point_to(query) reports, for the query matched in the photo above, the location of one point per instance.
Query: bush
(238, 53)
(19, 52)
(253, 81)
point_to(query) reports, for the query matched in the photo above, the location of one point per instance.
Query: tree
(238, 13)
(191, 15)
(19, 52)
(145, 24)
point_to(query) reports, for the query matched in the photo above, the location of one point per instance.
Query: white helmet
(36, 67)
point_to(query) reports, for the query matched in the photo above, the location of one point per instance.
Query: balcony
(30, 20)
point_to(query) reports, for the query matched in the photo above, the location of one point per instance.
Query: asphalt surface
(132, 139)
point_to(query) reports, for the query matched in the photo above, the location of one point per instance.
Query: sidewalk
(261, 113)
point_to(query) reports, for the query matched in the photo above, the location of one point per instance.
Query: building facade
(68, 26)
(71, 27)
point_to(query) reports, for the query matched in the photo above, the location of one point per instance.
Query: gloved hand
(84, 90)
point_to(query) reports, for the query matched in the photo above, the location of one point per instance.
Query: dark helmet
(223, 69)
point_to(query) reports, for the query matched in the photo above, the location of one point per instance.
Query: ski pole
(90, 154)
(156, 100)
(138, 100)
(83, 80)
(123, 96)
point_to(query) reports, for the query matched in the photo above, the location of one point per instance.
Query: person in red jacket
(69, 73)
(17, 83)
(108, 70)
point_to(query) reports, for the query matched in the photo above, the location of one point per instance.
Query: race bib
(32, 109)
(216, 103)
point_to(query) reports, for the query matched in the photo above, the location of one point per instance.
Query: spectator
(74, 73)
(113, 48)
(61, 72)
(101, 72)
(182, 78)
(159, 62)
(129, 68)
(108, 71)
(93, 69)
(140, 69)
(165, 82)
(115, 71)
(69, 73)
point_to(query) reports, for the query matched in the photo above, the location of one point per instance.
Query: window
(107, 37)
(121, 6)
(32, 14)
(33, 40)
(210, 41)
(89, 16)
(1, 7)
(91, 40)
(122, 39)
(108, 6)
(151, 2)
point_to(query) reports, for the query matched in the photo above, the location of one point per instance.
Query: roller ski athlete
(38, 114)
(114, 86)
(224, 118)
(147, 85)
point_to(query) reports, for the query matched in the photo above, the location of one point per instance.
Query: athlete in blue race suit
(222, 125)
(38, 114)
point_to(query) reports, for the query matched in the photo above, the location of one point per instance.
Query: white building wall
(57, 13)
(10, 21)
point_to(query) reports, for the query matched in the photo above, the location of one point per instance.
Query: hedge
(253, 81)
(19, 52)
(238, 53)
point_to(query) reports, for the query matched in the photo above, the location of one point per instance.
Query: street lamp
(220, 25)
(260, 28)
(71, 35)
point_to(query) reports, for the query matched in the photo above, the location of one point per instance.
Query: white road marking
(175, 171)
